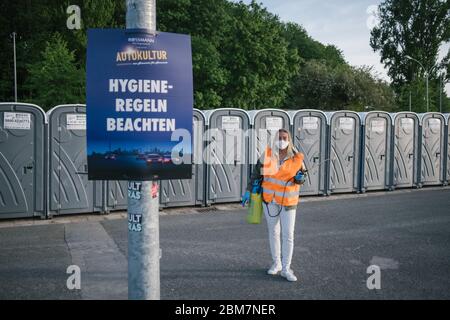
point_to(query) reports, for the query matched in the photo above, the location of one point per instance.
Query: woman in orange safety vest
(280, 169)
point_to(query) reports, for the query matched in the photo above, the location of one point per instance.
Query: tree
(208, 23)
(240, 57)
(94, 14)
(320, 86)
(31, 21)
(56, 78)
(312, 88)
(308, 48)
(415, 28)
(258, 58)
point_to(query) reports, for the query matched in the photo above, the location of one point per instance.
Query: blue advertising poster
(139, 101)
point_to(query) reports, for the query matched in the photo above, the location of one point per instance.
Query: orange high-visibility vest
(279, 183)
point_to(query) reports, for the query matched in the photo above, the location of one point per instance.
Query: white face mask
(281, 144)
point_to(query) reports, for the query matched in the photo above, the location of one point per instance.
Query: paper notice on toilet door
(407, 124)
(231, 123)
(310, 123)
(274, 123)
(76, 122)
(346, 123)
(378, 126)
(17, 120)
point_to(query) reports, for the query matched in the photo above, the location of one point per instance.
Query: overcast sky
(344, 23)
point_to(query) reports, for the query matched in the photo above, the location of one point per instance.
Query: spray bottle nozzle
(256, 186)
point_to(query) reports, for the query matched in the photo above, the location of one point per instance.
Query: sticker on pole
(134, 222)
(139, 97)
(76, 122)
(274, 123)
(17, 120)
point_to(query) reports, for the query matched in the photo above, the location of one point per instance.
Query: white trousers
(284, 222)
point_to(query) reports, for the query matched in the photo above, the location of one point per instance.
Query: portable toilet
(188, 192)
(116, 194)
(226, 153)
(432, 126)
(447, 166)
(70, 191)
(344, 151)
(376, 150)
(265, 123)
(309, 134)
(405, 160)
(22, 160)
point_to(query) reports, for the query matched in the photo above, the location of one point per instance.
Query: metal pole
(409, 100)
(15, 67)
(428, 107)
(143, 207)
(440, 93)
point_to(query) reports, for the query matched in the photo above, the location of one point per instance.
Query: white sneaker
(289, 275)
(274, 269)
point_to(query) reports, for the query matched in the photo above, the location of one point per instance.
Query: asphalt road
(217, 255)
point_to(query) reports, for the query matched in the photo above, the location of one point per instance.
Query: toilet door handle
(28, 167)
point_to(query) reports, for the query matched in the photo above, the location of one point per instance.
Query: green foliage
(240, 57)
(258, 58)
(56, 70)
(415, 28)
(322, 86)
(310, 49)
(243, 56)
(209, 76)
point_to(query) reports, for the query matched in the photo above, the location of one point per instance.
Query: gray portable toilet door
(404, 144)
(227, 174)
(376, 148)
(17, 163)
(184, 192)
(432, 153)
(117, 194)
(70, 191)
(448, 150)
(267, 123)
(343, 148)
(308, 138)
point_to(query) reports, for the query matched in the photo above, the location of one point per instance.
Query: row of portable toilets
(43, 161)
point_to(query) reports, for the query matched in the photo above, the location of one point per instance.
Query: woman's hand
(245, 198)
(300, 177)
